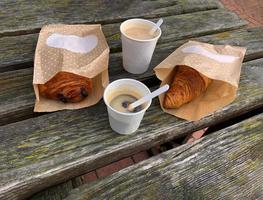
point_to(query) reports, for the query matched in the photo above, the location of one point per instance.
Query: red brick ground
(91, 176)
(114, 167)
(194, 136)
(126, 162)
(250, 10)
(140, 156)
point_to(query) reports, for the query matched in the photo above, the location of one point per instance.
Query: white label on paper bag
(72, 42)
(217, 57)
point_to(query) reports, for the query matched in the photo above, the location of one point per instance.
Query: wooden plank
(18, 50)
(16, 92)
(58, 192)
(185, 26)
(46, 150)
(225, 165)
(32, 15)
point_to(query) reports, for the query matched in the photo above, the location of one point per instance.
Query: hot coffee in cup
(117, 96)
(140, 32)
(122, 101)
(138, 44)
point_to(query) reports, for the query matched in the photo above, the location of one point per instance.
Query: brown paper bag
(222, 63)
(79, 49)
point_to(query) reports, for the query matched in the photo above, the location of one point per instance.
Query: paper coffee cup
(125, 123)
(137, 53)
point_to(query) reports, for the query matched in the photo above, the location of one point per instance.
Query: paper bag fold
(79, 49)
(222, 63)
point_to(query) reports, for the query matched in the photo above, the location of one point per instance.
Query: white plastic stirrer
(148, 97)
(158, 24)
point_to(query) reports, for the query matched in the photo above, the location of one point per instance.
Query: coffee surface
(121, 102)
(140, 32)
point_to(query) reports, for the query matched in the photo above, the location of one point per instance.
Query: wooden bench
(17, 97)
(41, 150)
(40, 140)
(227, 164)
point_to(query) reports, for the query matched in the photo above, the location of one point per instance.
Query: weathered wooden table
(41, 150)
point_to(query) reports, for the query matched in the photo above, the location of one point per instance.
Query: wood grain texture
(31, 15)
(227, 164)
(16, 92)
(46, 150)
(58, 192)
(185, 26)
(16, 51)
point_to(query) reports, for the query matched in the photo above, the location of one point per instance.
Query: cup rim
(140, 40)
(122, 113)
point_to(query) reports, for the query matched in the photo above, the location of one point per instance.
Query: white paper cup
(136, 53)
(125, 123)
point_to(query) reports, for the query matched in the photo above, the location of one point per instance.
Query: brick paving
(194, 136)
(114, 167)
(250, 10)
(140, 156)
(91, 176)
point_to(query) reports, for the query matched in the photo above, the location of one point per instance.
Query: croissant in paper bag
(66, 87)
(187, 84)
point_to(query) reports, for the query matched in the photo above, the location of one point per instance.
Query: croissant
(66, 87)
(187, 84)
